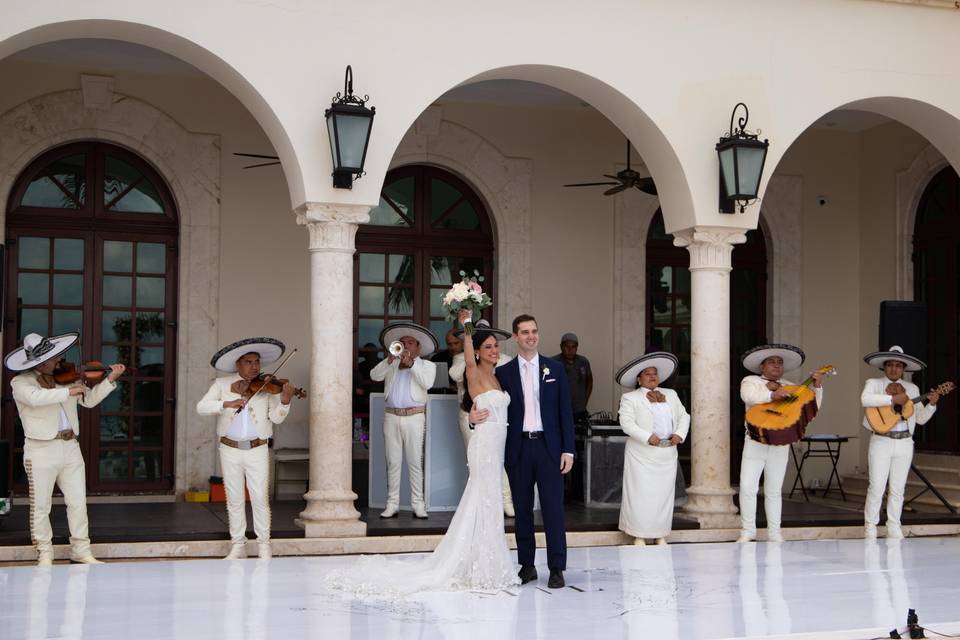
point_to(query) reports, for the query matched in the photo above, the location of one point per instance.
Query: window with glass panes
(936, 273)
(100, 261)
(428, 226)
(668, 318)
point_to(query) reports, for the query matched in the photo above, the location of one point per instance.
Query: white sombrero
(36, 350)
(792, 356)
(393, 332)
(666, 364)
(483, 325)
(269, 349)
(878, 358)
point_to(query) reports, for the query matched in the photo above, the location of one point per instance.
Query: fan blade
(590, 184)
(647, 186)
(607, 175)
(256, 155)
(610, 192)
(262, 164)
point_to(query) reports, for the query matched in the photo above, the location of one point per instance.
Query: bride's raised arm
(469, 355)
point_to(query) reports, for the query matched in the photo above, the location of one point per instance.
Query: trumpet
(396, 348)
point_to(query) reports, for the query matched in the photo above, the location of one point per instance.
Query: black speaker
(904, 323)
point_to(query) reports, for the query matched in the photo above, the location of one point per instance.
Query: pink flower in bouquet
(476, 287)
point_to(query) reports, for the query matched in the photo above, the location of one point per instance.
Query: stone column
(333, 228)
(710, 265)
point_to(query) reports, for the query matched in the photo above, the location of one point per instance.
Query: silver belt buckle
(243, 444)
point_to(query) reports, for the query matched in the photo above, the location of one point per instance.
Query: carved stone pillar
(333, 229)
(710, 494)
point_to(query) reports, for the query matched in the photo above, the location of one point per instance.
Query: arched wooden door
(91, 239)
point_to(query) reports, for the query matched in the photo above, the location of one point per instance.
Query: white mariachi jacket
(265, 409)
(423, 372)
(875, 395)
(753, 390)
(636, 416)
(40, 408)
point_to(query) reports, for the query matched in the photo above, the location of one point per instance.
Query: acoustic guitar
(785, 421)
(882, 419)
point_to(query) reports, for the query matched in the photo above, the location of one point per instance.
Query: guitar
(785, 421)
(883, 419)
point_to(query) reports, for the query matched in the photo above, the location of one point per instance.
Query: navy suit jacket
(556, 411)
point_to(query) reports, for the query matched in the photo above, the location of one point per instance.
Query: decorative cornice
(927, 4)
(709, 247)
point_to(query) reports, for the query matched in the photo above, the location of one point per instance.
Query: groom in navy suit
(539, 449)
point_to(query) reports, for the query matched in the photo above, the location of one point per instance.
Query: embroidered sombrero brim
(393, 332)
(666, 364)
(792, 356)
(269, 349)
(47, 349)
(878, 358)
(483, 325)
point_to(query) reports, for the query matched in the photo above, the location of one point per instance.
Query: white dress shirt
(662, 419)
(64, 421)
(531, 368)
(240, 428)
(399, 396)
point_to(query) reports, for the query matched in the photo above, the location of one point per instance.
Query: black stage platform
(158, 521)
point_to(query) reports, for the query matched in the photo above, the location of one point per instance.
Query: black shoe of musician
(528, 573)
(556, 579)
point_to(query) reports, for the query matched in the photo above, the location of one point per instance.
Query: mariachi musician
(891, 452)
(244, 427)
(51, 453)
(767, 362)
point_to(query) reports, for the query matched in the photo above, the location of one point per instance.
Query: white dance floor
(819, 589)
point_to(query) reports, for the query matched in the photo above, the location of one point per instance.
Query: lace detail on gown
(473, 554)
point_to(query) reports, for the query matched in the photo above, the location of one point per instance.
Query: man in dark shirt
(578, 373)
(454, 347)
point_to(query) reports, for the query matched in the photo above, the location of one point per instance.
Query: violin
(260, 384)
(89, 372)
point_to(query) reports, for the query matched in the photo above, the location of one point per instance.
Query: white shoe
(264, 552)
(390, 511)
(85, 560)
(640, 542)
(45, 560)
(746, 537)
(894, 533)
(420, 512)
(662, 542)
(869, 532)
(508, 510)
(774, 535)
(237, 552)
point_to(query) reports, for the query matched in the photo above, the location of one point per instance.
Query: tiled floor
(817, 589)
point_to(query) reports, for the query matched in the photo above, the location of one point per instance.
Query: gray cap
(569, 337)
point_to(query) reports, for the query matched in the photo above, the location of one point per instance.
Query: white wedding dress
(473, 554)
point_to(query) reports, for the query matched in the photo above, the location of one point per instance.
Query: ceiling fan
(624, 180)
(276, 160)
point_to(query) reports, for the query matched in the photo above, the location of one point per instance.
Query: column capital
(332, 226)
(710, 247)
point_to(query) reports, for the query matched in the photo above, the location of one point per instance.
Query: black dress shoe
(556, 579)
(528, 573)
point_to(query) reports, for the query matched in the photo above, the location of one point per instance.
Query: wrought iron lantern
(348, 124)
(741, 156)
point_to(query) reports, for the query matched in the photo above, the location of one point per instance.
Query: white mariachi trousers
(771, 461)
(250, 466)
(404, 436)
(466, 432)
(889, 462)
(49, 462)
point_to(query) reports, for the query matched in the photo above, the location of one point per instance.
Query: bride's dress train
(473, 554)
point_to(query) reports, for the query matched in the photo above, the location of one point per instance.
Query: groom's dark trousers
(536, 461)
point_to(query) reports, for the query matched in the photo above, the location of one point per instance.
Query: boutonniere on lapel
(546, 372)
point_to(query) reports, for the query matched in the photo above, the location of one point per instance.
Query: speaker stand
(930, 488)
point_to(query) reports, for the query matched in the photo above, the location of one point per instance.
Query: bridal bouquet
(466, 294)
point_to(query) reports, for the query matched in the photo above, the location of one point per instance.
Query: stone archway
(190, 163)
(911, 183)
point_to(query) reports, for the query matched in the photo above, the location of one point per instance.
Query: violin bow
(270, 376)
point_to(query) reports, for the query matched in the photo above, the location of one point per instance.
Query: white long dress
(649, 472)
(473, 554)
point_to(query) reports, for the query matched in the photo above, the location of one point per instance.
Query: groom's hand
(478, 416)
(566, 463)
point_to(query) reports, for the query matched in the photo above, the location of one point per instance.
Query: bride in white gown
(473, 554)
